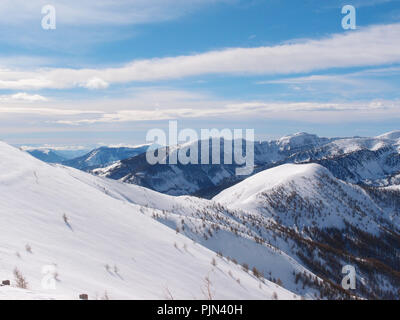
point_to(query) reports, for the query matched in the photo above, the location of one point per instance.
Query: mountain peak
(392, 135)
(268, 179)
(299, 139)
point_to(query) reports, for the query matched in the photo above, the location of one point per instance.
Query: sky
(111, 70)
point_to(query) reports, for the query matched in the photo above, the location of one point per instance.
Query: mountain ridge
(348, 159)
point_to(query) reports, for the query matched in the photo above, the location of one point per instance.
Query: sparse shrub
(257, 273)
(28, 248)
(105, 296)
(65, 218)
(208, 293)
(20, 280)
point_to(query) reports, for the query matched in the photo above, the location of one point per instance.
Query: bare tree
(208, 293)
(168, 294)
(20, 280)
(105, 296)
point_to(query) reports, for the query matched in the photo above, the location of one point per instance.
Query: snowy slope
(393, 135)
(300, 140)
(207, 223)
(101, 230)
(297, 224)
(303, 195)
(329, 223)
(246, 192)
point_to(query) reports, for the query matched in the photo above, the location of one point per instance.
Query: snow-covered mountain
(367, 161)
(54, 154)
(204, 180)
(104, 156)
(97, 241)
(47, 155)
(303, 195)
(327, 223)
(295, 225)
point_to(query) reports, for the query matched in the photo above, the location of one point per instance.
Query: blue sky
(112, 70)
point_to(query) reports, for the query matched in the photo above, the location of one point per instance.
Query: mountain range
(96, 158)
(312, 206)
(104, 156)
(365, 161)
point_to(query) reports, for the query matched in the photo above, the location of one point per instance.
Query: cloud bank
(372, 46)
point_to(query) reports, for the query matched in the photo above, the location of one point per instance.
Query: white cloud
(207, 108)
(372, 46)
(95, 83)
(156, 104)
(22, 96)
(346, 78)
(364, 83)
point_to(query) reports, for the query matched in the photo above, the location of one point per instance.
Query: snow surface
(311, 195)
(393, 135)
(297, 140)
(201, 215)
(146, 259)
(245, 192)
